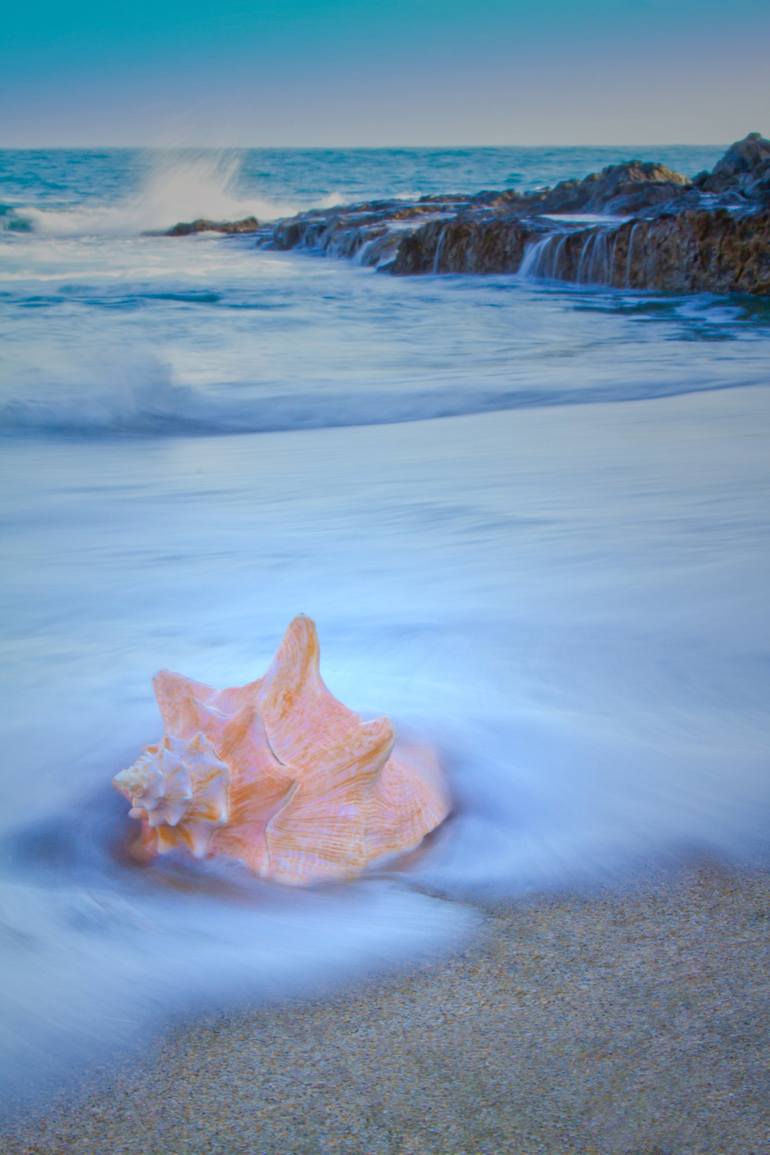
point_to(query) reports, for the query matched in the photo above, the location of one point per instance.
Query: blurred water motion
(563, 585)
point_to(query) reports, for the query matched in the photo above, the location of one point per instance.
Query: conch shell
(279, 775)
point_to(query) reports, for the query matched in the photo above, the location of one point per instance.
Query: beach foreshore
(632, 1023)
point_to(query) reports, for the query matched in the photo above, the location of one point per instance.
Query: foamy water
(530, 522)
(176, 187)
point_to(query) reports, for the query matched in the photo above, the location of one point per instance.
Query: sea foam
(177, 187)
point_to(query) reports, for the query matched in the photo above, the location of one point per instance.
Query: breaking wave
(141, 398)
(177, 187)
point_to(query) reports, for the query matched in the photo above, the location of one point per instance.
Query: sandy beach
(607, 1025)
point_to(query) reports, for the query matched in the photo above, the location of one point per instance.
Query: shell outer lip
(280, 775)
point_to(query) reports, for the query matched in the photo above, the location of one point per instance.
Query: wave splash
(133, 396)
(177, 187)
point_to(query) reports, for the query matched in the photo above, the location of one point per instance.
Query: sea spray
(176, 186)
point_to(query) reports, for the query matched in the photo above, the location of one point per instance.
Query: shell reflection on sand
(279, 775)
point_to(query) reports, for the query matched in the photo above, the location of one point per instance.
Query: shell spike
(279, 774)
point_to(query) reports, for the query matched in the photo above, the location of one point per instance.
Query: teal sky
(349, 72)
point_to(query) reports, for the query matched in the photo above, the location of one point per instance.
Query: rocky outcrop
(203, 225)
(694, 251)
(635, 225)
(618, 189)
(744, 169)
(469, 243)
(370, 233)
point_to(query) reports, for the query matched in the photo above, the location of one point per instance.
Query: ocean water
(530, 520)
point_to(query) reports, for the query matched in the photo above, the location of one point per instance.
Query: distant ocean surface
(278, 181)
(530, 520)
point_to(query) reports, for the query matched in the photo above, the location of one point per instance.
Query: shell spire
(280, 775)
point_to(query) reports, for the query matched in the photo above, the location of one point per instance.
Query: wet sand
(634, 1025)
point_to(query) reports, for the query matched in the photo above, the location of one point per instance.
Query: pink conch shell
(280, 775)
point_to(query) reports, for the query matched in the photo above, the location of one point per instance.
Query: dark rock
(712, 233)
(486, 245)
(617, 189)
(745, 168)
(678, 252)
(202, 225)
(718, 252)
(687, 252)
(367, 232)
(744, 156)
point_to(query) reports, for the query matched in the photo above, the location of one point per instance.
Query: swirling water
(530, 521)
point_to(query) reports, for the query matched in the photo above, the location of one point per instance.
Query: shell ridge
(279, 774)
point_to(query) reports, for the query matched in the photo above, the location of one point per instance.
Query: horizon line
(354, 147)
